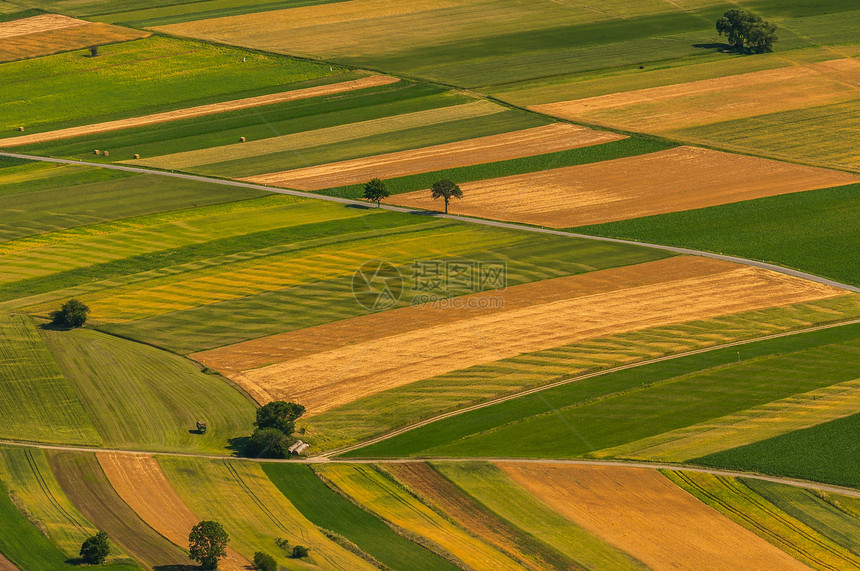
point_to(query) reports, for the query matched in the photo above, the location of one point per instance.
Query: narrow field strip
(741, 504)
(253, 511)
(140, 481)
(706, 101)
(506, 146)
(372, 81)
(341, 375)
(753, 425)
(318, 137)
(663, 526)
(372, 490)
(35, 24)
(65, 39)
(677, 179)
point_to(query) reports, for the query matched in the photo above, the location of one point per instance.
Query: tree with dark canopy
(95, 549)
(375, 191)
(746, 31)
(267, 443)
(279, 414)
(72, 314)
(447, 190)
(207, 543)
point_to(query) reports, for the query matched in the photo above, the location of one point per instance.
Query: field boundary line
(576, 378)
(467, 219)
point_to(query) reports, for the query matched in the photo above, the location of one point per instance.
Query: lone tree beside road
(746, 31)
(447, 190)
(95, 549)
(207, 543)
(72, 314)
(375, 191)
(276, 422)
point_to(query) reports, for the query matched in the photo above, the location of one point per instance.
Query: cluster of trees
(746, 31)
(375, 191)
(275, 424)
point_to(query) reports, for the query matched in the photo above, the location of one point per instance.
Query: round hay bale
(136, 156)
(107, 153)
(97, 152)
(20, 128)
(241, 139)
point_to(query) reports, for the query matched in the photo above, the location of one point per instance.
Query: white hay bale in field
(97, 152)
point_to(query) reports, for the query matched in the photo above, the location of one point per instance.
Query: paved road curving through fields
(467, 219)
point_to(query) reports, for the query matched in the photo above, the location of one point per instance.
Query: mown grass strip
(814, 231)
(829, 452)
(607, 151)
(447, 436)
(330, 511)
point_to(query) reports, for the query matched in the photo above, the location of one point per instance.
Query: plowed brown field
(670, 107)
(372, 81)
(677, 179)
(140, 481)
(525, 143)
(643, 513)
(360, 363)
(65, 39)
(43, 23)
(6, 565)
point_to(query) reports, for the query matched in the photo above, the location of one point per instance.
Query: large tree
(279, 414)
(447, 190)
(267, 443)
(207, 543)
(746, 31)
(95, 549)
(72, 314)
(375, 191)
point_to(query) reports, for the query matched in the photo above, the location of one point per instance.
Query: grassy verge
(814, 231)
(331, 511)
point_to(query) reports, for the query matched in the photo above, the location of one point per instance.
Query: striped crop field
(492, 488)
(568, 309)
(253, 511)
(738, 500)
(626, 406)
(664, 526)
(376, 492)
(87, 486)
(38, 401)
(379, 413)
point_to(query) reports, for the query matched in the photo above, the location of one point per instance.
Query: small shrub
(264, 562)
(300, 551)
(283, 544)
(94, 51)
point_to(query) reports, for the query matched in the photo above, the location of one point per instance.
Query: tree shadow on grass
(719, 46)
(237, 445)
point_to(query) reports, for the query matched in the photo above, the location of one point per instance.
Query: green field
(51, 198)
(829, 452)
(253, 511)
(86, 485)
(145, 399)
(495, 490)
(330, 511)
(814, 231)
(71, 89)
(742, 504)
(609, 410)
(39, 404)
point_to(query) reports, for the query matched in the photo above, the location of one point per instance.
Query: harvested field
(319, 137)
(432, 487)
(296, 94)
(84, 481)
(140, 481)
(36, 24)
(684, 289)
(753, 425)
(525, 143)
(65, 39)
(684, 105)
(678, 179)
(6, 565)
(643, 513)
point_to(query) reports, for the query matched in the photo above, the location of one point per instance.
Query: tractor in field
(201, 427)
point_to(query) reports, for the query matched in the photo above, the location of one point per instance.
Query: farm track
(467, 219)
